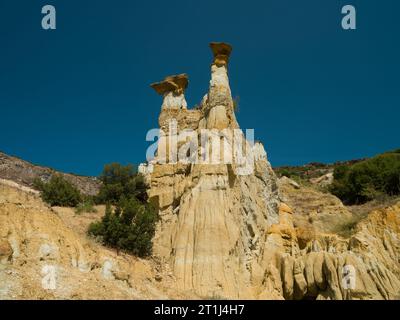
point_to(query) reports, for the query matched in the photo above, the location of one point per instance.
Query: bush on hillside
(130, 227)
(368, 179)
(119, 182)
(58, 192)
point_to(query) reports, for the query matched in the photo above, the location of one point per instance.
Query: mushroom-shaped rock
(181, 80)
(176, 83)
(172, 88)
(221, 51)
(164, 87)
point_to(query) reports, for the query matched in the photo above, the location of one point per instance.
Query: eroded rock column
(172, 88)
(212, 220)
(219, 109)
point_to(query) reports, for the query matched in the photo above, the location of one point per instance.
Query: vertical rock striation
(224, 230)
(213, 217)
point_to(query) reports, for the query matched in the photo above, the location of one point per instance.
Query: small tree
(368, 179)
(130, 227)
(119, 182)
(58, 192)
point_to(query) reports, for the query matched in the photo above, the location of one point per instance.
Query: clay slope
(227, 229)
(44, 255)
(35, 239)
(316, 265)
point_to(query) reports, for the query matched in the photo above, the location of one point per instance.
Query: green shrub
(129, 227)
(96, 229)
(120, 181)
(58, 192)
(285, 173)
(368, 179)
(394, 151)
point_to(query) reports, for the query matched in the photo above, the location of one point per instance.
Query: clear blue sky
(79, 97)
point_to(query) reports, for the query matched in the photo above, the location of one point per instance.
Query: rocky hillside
(226, 230)
(45, 254)
(233, 233)
(329, 236)
(320, 174)
(24, 173)
(213, 216)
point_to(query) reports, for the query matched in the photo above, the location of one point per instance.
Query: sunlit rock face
(219, 106)
(213, 219)
(224, 229)
(172, 89)
(174, 101)
(227, 229)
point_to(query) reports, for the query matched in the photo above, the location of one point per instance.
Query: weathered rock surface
(371, 251)
(24, 173)
(212, 216)
(230, 232)
(322, 211)
(227, 229)
(45, 254)
(324, 180)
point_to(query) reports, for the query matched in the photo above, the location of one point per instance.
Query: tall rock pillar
(219, 110)
(172, 88)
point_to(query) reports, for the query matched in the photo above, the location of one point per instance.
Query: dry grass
(360, 212)
(381, 202)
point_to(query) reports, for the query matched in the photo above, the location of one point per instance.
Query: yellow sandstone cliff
(227, 229)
